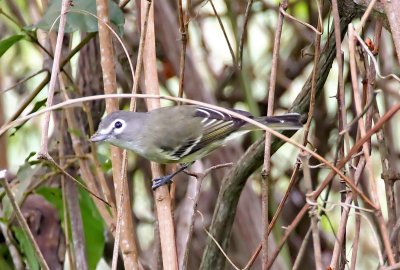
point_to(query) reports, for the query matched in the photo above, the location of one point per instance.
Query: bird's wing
(216, 125)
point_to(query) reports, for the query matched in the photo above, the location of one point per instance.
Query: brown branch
(302, 251)
(183, 28)
(313, 211)
(183, 259)
(244, 32)
(161, 195)
(266, 170)
(43, 152)
(128, 246)
(392, 10)
(224, 32)
(356, 241)
(374, 192)
(71, 199)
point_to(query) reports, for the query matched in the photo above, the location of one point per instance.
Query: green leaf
(93, 228)
(53, 196)
(105, 162)
(78, 17)
(7, 43)
(26, 248)
(5, 258)
(93, 224)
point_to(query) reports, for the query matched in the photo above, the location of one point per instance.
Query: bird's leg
(166, 179)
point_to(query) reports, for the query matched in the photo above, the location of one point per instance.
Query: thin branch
(43, 152)
(125, 227)
(374, 192)
(244, 32)
(302, 251)
(266, 170)
(365, 16)
(317, 31)
(23, 80)
(199, 180)
(24, 225)
(217, 244)
(183, 28)
(161, 195)
(313, 212)
(356, 240)
(225, 35)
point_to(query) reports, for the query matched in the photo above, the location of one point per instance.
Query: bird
(181, 134)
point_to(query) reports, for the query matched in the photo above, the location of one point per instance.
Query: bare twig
(161, 195)
(266, 170)
(374, 192)
(29, 99)
(302, 251)
(43, 152)
(225, 35)
(139, 63)
(365, 16)
(217, 244)
(69, 246)
(183, 28)
(23, 80)
(125, 227)
(313, 212)
(51, 161)
(199, 180)
(340, 236)
(72, 210)
(317, 31)
(356, 240)
(244, 32)
(24, 225)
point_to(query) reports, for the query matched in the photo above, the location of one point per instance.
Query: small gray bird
(180, 134)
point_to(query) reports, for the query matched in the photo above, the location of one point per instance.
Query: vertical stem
(183, 28)
(161, 195)
(72, 213)
(267, 154)
(43, 152)
(374, 194)
(125, 225)
(312, 210)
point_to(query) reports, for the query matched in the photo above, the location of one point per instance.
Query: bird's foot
(160, 181)
(167, 179)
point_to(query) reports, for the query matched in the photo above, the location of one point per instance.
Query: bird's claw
(160, 181)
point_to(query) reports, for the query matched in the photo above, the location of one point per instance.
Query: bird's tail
(289, 121)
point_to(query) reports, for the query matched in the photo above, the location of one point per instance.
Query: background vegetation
(324, 199)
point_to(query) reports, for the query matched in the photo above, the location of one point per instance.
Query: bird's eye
(118, 124)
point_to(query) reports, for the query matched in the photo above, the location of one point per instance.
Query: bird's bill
(98, 137)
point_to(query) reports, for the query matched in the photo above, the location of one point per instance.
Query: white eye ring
(118, 124)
